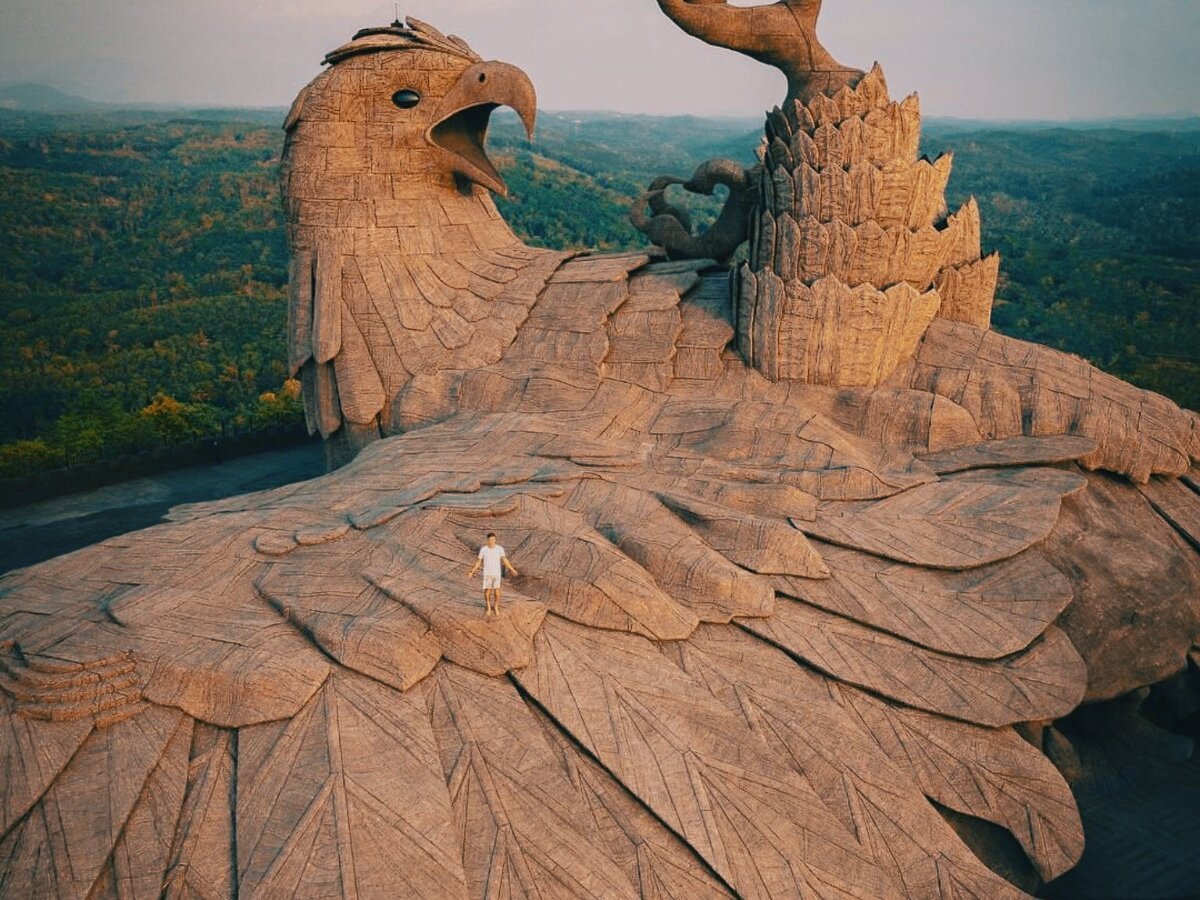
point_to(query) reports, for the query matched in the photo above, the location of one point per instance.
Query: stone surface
(1014, 388)
(947, 525)
(857, 277)
(1042, 682)
(1020, 451)
(1137, 595)
(792, 546)
(1178, 503)
(961, 613)
(852, 249)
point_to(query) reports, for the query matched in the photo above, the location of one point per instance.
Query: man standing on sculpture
(491, 555)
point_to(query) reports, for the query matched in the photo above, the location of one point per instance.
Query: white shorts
(491, 582)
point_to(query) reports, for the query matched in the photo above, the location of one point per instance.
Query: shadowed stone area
(1138, 787)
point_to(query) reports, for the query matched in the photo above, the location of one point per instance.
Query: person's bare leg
(487, 603)
(496, 594)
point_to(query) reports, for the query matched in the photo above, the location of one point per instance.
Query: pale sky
(986, 59)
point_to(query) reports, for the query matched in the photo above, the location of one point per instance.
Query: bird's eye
(406, 99)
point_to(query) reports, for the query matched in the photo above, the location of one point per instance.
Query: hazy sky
(967, 58)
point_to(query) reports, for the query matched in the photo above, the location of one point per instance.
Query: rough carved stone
(1137, 594)
(1013, 388)
(782, 34)
(792, 544)
(855, 274)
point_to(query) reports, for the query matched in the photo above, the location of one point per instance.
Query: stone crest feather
(411, 34)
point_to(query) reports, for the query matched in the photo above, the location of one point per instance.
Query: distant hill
(38, 108)
(1144, 124)
(27, 110)
(42, 98)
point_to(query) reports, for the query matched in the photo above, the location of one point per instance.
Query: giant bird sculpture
(793, 543)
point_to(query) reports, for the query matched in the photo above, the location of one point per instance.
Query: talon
(670, 226)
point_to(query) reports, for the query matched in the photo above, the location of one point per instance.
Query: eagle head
(397, 248)
(399, 107)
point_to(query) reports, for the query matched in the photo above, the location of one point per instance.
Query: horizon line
(169, 106)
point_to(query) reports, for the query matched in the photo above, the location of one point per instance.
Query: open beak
(461, 120)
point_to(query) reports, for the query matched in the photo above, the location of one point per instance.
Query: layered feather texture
(683, 695)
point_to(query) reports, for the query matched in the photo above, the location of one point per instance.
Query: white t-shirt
(491, 557)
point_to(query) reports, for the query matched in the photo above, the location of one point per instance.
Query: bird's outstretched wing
(299, 689)
(762, 633)
(1014, 387)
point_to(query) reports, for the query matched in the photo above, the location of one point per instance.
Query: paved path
(30, 534)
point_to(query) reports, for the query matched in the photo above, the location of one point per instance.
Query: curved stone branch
(669, 226)
(782, 34)
(656, 198)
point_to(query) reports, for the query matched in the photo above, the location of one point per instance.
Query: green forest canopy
(143, 265)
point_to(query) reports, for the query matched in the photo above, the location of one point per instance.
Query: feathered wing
(856, 275)
(685, 696)
(763, 629)
(1013, 388)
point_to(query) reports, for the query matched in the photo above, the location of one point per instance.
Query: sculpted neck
(372, 198)
(440, 216)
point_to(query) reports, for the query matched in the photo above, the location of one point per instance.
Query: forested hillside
(1099, 231)
(142, 274)
(143, 266)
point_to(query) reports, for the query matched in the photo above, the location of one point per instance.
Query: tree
(176, 422)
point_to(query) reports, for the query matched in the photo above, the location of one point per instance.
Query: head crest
(411, 34)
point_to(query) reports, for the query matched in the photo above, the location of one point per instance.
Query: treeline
(1100, 237)
(142, 286)
(143, 263)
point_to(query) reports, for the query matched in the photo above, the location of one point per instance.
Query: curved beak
(461, 120)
